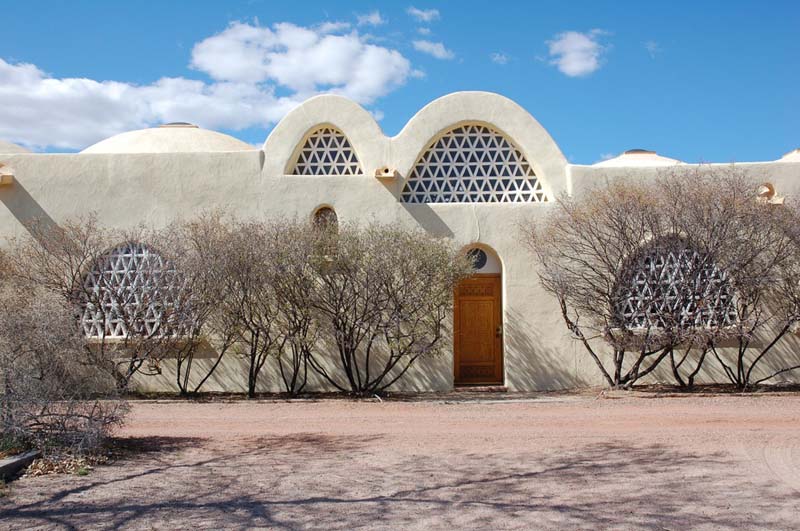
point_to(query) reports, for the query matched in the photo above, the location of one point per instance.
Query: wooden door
(478, 331)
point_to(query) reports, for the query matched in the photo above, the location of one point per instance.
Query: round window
(478, 257)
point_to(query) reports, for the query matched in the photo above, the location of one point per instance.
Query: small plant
(11, 446)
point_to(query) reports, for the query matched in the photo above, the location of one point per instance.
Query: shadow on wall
(429, 220)
(530, 365)
(335, 482)
(432, 373)
(422, 213)
(23, 206)
(785, 353)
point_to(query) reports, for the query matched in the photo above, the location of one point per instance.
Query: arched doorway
(478, 322)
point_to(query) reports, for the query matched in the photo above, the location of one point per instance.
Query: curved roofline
(186, 139)
(355, 122)
(503, 114)
(375, 149)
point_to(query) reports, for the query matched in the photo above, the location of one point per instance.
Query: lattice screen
(671, 284)
(327, 152)
(129, 290)
(473, 164)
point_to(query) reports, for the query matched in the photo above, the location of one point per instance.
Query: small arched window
(130, 291)
(326, 151)
(669, 284)
(326, 218)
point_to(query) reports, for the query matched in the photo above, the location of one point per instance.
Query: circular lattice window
(478, 258)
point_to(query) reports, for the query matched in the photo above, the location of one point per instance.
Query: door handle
(499, 331)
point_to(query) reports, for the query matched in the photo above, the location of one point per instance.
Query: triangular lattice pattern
(670, 284)
(130, 290)
(473, 164)
(327, 152)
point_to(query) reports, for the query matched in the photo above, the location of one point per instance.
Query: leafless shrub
(581, 250)
(275, 288)
(53, 395)
(125, 295)
(295, 249)
(227, 266)
(250, 301)
(384, 293)
(250, 287)
(200, 252)
(756, 244)
(676, 267)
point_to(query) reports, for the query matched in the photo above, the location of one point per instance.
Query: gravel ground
(571, 462)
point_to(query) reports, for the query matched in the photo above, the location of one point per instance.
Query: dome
(638, 158)
(177, 137)
(792, 156)
(8, 147)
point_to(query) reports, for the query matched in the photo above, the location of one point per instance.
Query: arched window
(473, 164)
(326, 218)
(669, 284)
(326, 152)
(130, 290)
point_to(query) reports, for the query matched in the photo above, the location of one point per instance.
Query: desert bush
(129, 319)
(757, 245)
(53, 395)
(250, 301)
(200, 251)
(295, 250)
(384, 295)
(676, 268)
(281, 289)
(230, 267)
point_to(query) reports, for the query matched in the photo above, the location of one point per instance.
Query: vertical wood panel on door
(478, 331)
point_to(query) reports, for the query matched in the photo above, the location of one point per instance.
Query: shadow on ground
(320, 482)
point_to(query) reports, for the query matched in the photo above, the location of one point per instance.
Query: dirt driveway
(565, 462)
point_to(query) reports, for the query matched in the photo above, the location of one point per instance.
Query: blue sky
(697, 81)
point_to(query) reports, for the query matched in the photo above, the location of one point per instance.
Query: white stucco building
(468, 166)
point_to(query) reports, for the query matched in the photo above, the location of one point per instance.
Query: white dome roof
(177, 137)
(638, 158)
(8, 147)
(792, 156)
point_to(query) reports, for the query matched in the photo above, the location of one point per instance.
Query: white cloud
(606, 156)
(302, 60)
(499, 58)
(436, 49)
(370, 19)
(424, 31)
(332, 27)
(377, 114)
(423, 15)
(577, 54)
(248, 65)
(652, 48)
